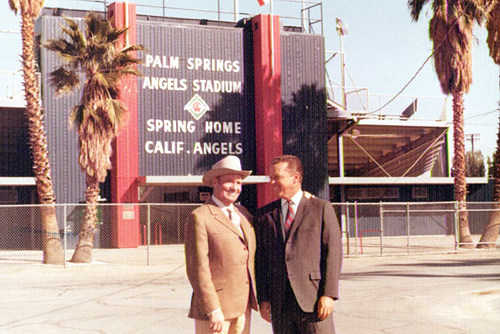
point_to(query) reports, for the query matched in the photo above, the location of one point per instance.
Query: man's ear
(297, 177)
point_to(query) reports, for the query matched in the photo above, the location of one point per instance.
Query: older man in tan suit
(220, 248)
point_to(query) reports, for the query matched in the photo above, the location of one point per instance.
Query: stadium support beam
(268, 113)
(124, 186)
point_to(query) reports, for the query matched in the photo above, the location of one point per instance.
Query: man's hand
(325, 307)
(265, 311)
(216, 321)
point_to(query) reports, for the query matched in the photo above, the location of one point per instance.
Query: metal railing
(360, 102)
(306, 14)
(11, 84)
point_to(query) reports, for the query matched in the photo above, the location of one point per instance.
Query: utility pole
(472, 137)
(342, 30)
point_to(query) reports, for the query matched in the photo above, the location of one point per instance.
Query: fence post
(347, 228)
(381, 228)
(178, 223)
(408, 228)
(148, 229)
(457, 230)
(356, 228)
(65, 233)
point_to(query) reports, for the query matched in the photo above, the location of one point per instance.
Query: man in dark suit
(220, 249)
(299, 255)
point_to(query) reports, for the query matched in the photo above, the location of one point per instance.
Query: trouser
(293, 320)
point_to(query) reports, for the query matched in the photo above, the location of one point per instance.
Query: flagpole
(303, 16)
(236, 11)
(218, 11)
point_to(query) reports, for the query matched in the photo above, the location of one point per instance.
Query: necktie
(289, 216)
(230, 214)
(234, 218)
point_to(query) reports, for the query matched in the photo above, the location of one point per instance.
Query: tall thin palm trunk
(465, 238)
(53, 252)
(490, 232)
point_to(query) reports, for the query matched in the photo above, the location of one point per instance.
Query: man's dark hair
(294, 164)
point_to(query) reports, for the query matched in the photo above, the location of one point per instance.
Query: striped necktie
(289, 216)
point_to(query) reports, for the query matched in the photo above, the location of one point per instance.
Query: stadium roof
(377, 145)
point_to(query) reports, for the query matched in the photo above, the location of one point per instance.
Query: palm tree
(53, 252)
(92, 57)
(451, 32)
(490, 233)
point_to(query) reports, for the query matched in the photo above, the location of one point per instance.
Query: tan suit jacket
(220, 262)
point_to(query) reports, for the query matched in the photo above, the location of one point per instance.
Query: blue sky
(384, 49)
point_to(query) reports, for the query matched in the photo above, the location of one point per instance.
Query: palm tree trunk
(465, 238)
(83, 251)
(53, 252)
(490, 233)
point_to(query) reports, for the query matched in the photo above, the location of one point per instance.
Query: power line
(10, 32)
(405, 86)
(480, 115)
(421, 67)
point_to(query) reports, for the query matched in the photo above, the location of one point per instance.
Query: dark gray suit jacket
(311, 256)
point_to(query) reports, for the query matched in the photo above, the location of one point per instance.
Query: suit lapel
(245, 226)
(221, 217)
(277, 218)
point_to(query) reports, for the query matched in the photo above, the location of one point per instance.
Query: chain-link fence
(409, 228)
(159, 224)
(368, 229)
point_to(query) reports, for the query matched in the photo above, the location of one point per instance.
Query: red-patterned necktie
(289, 216)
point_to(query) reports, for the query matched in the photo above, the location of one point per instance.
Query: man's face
(227, 188)
(285, 184)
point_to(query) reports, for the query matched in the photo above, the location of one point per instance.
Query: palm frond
(416, 8)
(131, 48)
(99, 114)
(116, 112)
(36, 7)
(493, 28)
(76, 116)
(93, 25)
(76, 36)
(67, 50)
(124, 61)
(14, 5)
(63, 80)
(114, 34)
(105, 80)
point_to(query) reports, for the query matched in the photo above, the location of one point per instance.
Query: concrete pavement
(120, 293)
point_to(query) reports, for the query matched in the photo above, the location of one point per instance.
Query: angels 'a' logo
(197, 107)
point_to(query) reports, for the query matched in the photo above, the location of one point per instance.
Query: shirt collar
(295, 198)
(221, 205)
